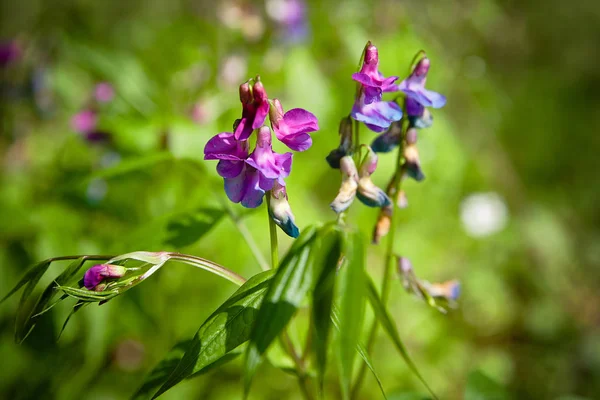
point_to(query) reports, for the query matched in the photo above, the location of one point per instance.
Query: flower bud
(384, 221)
(281, 212)
(411, 136)
(345, 131)
(275, 112)
(246, 94)
(402, 200)
(98, 273)
(413, 165)
(258, 90)
(449, 290)
(387, 141)
(349, 185)
(369, 194)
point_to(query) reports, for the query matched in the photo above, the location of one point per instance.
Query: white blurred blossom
(483, 214)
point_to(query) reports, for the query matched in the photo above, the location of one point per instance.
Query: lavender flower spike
(349, 186)
(98, 273)
(292, 128)
(368, 108)
(280, 211)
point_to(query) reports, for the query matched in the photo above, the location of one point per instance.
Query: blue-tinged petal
(377, 116)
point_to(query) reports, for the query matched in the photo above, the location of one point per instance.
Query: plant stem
(285, 338)
(208, 266)
(388, 264)
(272, 235)
(243, 230)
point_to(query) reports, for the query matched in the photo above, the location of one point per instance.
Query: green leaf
(227, 328)
(328, 255)
(178, 229)
(165, 368)
(33, 274)
(352, 306)
(28, 319)
(295, 276)
(482, 387)
(361, 351)
(390, 328)
(131, 165)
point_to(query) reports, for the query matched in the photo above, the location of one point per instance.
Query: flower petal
(224, 147)
(299, 120)
(261, 114)
(377, 116)
(229, 169)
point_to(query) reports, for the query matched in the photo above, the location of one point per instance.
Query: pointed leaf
(361, 351)
(389, 327)
(227, 328)
(352, 306)
(328, 255)
(35, 272)
(295, 276)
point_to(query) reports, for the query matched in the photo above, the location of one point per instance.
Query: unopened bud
(402, 200)
(98, 273)
(345, 131)
(258, 90)
(411, 136)
(245, 93)
(369, 194)
(275, 112)
(413, 165)
(384, 221)
(281, 212)
(387, 141)
(349, 185)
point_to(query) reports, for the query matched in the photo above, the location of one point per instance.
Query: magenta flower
(292, 128)
(417, 97)
(270, 164)
(104, 92)
(84, 121)
(98, 273)
(248, 177)
(368, 108)
(255, 108)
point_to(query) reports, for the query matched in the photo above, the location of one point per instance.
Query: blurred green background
(509, 206)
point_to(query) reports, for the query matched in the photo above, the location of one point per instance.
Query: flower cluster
(249, 175)
(438, 295)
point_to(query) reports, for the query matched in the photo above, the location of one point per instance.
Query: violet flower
(255, 108)
(417, 97)
(292, 128)
(368, 108)
(84, 121)
(98, 273)
(248, 177)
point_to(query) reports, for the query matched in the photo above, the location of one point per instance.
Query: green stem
(272, 235)
(243, 230)
(285, 338)
(387, 267)
(210, 266)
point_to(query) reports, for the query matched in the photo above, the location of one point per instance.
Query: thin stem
(243, 230)
(387, 267)
(208, 265)
(272, 235)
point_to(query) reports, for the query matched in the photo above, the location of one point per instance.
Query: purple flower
(104, 92)
(292, 128)
(84, 121)
(255, 107)
(368, 108)
(98, 273)
(248, 177)
(291, 15)
(417, 97)
(272, 166)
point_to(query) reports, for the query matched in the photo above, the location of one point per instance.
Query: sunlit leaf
(351, 306)
(295, 276)
(227, 328)
(328, 255)
(389, 327)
